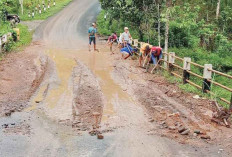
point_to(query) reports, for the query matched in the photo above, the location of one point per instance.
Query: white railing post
(165, 60)
(186, 68)
(136, 42)
(4, 38)
(207, 76)
(172, 57)
(171, 61)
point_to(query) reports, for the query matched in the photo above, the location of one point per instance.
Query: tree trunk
(166, 37)
(168, 4)
(159, 24)
(21, 4)
(218, 9)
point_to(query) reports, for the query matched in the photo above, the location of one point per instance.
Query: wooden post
(231, 102)
(172, 57)
(206, 86)
(165, 59)
(171, 61)
(4, 39)
(186, 68)
(136, 42)
(17, 32)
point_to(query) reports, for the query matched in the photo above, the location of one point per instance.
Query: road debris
(196, 97)
(222, 115)
(186, 132)
(100, 136)
(206, 137)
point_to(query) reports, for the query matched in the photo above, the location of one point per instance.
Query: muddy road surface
(57, 98)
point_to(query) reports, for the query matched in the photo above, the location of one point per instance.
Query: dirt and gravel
(88, 99)
(170, 107)
(21, 74)
(56, 96)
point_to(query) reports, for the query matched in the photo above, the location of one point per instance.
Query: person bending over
(144, 52)
(156, 54)
(111, 40)
(127, 51)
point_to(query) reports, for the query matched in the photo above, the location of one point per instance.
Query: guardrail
(207, 80)
(3, 40)
(39, 9)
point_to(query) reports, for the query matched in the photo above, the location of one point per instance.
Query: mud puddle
(100, 65)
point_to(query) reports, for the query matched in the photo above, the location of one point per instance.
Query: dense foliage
(200, 29)
(193, 23)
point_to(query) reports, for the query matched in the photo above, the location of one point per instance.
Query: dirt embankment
(170, 108)
(20, 76)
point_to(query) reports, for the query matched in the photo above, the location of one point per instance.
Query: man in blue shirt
(127, 51)
(92, 36)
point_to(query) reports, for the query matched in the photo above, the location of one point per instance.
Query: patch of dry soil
(20, 76)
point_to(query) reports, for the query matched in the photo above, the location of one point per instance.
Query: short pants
(92, 39)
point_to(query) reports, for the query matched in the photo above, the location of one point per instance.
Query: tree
(168, 4)
(218, 9)
(21, 4)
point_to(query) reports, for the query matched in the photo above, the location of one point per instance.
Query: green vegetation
(25, 39)
(197, 29)
(31, 6)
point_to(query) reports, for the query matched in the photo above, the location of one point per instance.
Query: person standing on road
(126, 37)
(92, 36)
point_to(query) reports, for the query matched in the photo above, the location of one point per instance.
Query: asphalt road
(68, 29)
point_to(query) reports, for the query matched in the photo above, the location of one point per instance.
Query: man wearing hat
(92, 36)
(126, 37)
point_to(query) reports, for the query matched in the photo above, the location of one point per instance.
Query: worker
(156, 54)
(127, 51)
(92, 36)
(126, 37)
(111, 40)
(144, 52)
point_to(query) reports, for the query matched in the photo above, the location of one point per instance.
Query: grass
(202, 57)
(5, 28)
(25, 40)
(25, 34)
(25, 37)
(60, 4)
(220, 61)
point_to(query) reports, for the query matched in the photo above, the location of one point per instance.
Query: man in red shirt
(111, 40)
(156, 54)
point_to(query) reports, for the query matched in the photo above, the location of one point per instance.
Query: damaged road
(56, 96)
